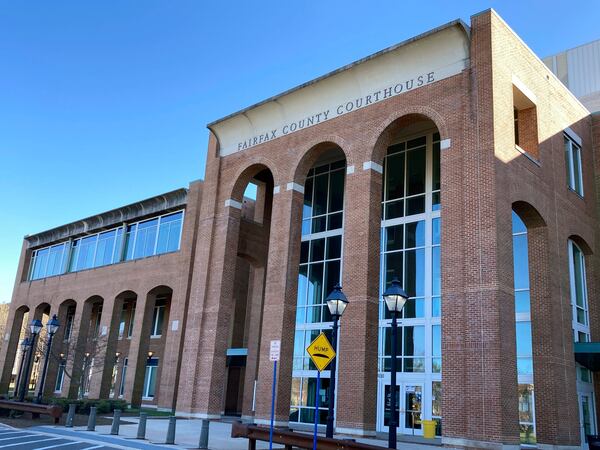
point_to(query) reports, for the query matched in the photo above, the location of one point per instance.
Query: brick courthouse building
(455, 161)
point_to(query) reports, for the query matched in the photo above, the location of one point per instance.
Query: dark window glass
(334, 247)
(308, 192)
(335, 221)
(394, 176)
(315, 286)
(394, 238)
(415, 205)
(317, 250)
(320, 199)
(304, 252)
(415, 160)
(336, 191)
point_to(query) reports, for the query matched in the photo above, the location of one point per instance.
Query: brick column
(254, 319)
(105, 348)
(11, 346)
(138, 347)
(357, 365)
(76, 348)
(171, 353)
(279, 308)
(552, 337)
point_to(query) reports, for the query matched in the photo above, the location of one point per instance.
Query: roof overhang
(412, 64)
(588, 354)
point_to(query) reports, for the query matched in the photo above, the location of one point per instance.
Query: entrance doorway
(587, 420)
(409, 407)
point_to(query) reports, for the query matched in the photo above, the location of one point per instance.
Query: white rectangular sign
(275, 350)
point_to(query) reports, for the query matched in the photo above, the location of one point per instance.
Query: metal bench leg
(251, 444)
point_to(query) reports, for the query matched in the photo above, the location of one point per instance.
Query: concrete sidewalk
(188, 433)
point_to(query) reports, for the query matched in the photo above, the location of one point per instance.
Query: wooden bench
(34, 408)
(293, 439)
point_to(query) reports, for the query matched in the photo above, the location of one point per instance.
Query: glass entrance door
(409, 407)
(586, 415)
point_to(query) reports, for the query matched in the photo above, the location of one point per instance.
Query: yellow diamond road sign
(321, 352)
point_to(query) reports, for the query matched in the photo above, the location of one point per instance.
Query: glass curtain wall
(319, 271)
(410, 251)
(523, 331)
(150, 237)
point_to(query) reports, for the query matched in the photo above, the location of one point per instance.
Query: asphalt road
(24, 439)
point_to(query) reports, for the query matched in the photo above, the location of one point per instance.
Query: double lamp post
(395, 298)
(28, 348)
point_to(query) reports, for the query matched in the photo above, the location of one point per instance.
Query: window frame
(574, 174)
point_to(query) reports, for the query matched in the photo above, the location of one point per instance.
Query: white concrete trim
(445, 144)
(524, 89)
(373, 166)
(557, 447)
(569, 132)
(233, 203)
(197, 415)
(295, 187)
(276, 423)
(276, 189)
(349, 170)
(355, 431)
(459, 442)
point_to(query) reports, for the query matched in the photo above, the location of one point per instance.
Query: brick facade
(234, 282)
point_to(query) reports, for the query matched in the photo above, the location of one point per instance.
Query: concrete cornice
(154, 205)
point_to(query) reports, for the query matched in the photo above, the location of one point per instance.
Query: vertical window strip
(319, 270)
(524, 346)
(413, 231)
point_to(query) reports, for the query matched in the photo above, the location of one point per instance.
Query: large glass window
(123, 378)
(147, 238)
(60, 376)
(158, 318)
(150, 378)
(578, 290)
(411, 251)
(319, 272)
(573, 164)
(49, 261)
(524, 347)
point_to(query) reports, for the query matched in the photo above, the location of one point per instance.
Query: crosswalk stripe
(90, 448)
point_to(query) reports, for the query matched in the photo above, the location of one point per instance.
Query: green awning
(588, 354)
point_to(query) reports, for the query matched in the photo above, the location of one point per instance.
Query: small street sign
(275, 350)
(321, 352)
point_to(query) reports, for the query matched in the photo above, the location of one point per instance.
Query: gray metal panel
(584, 69)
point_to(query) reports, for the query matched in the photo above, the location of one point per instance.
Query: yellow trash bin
(429, 429)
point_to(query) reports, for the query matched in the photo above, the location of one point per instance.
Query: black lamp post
(395, 297)
(35, 327)
(336, 302)
(24, 347)
(52, 327)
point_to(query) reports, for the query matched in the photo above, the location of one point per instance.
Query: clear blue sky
(104, 103)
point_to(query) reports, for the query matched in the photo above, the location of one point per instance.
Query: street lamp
(52, 327)
(150, 355)
(35, 327)
(336, 302)
(395, 297)
(24, 347)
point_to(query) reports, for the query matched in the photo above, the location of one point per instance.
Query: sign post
(321, 353)
(274, 353)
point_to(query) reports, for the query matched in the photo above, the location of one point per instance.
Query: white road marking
(60, 445)
(30, 442)
(90, 448)
(14, 437)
